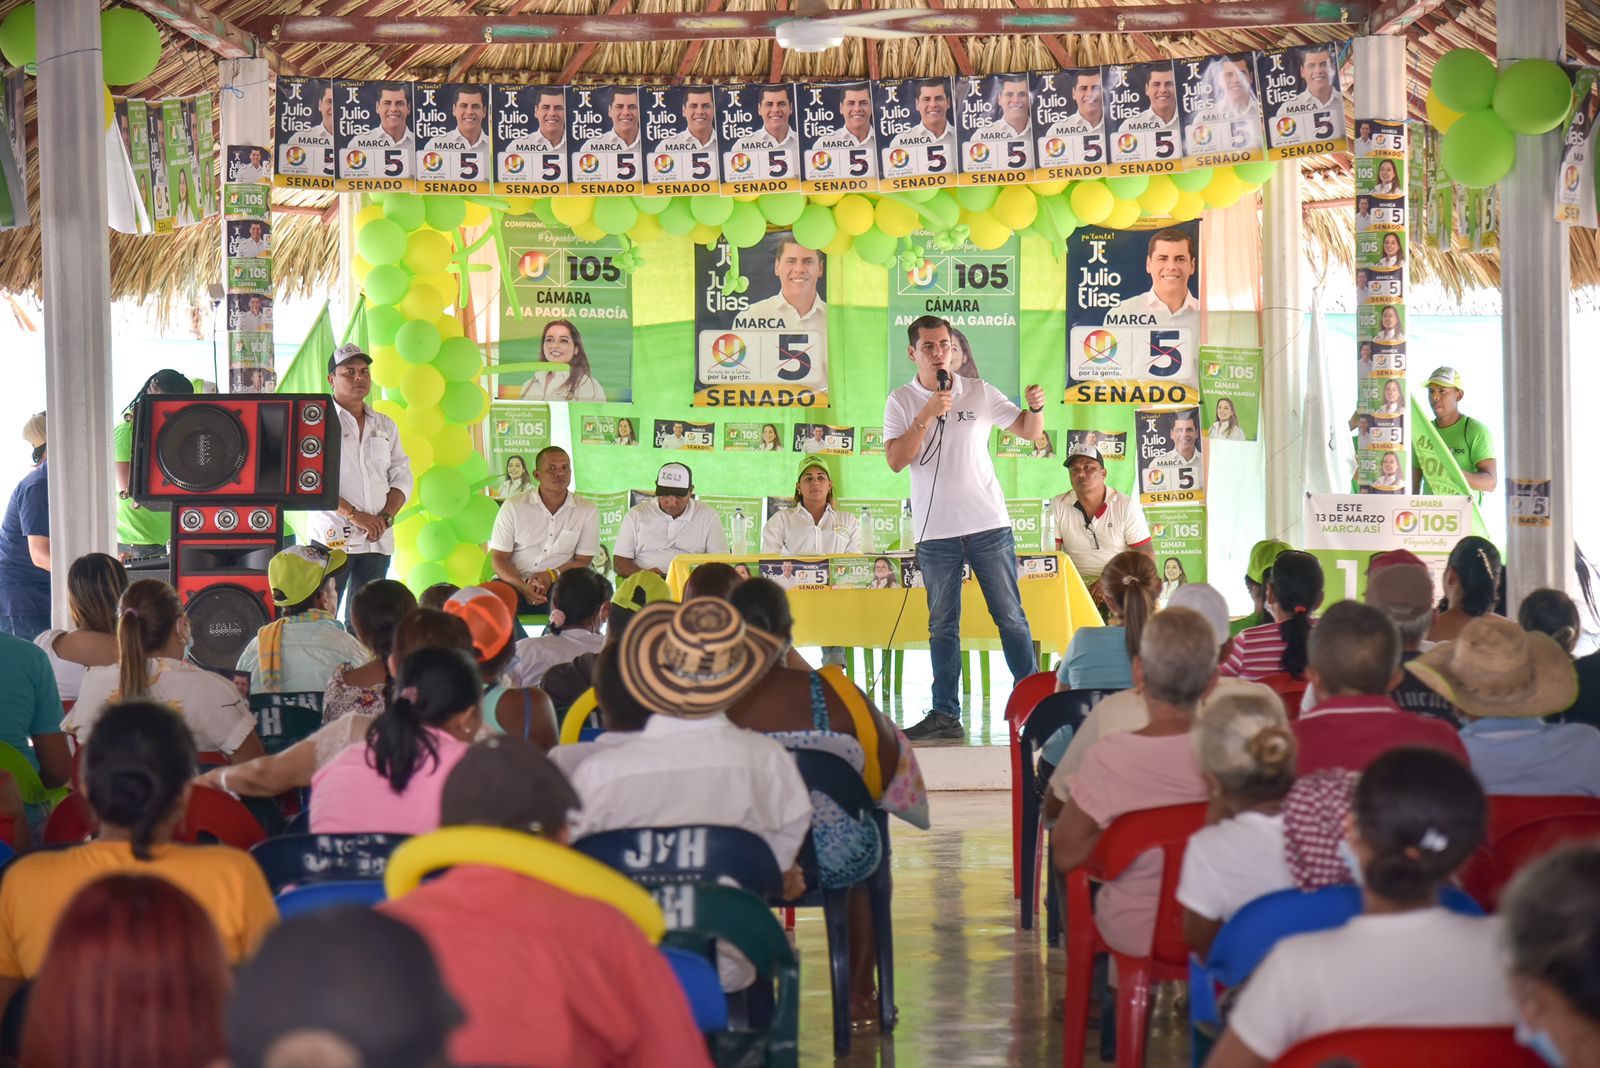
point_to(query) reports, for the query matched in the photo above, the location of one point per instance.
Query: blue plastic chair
(656, 857)
(701, 985)
(301, 899)
(305, 859)
(1065, 709)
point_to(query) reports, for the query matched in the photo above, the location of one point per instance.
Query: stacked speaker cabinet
(227, 466)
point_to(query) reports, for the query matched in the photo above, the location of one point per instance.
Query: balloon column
(1479, 111)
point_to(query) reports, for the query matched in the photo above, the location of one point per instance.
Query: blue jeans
(993, 556)
(27, 626)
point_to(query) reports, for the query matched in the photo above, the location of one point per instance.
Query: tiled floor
(972, 989)
(983, 717)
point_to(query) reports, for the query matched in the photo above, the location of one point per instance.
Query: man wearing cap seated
(1398, 583)
(374, 477)
(1094, 522)
(298, 651)
(656, 532)
(540, 535)
(1468, 440)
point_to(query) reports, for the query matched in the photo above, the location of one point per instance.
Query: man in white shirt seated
(539, 535)
(298, 651)
(1094, 522)
(655, 532)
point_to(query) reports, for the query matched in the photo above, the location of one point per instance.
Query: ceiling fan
(816, 27)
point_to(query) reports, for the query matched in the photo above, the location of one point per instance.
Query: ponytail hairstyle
(435, 685)
(578, 595)
(1296, 585)
(1480, 575)
(1130, 585)
(136, 766)
(95, 583)
(1422, 814)
(376, 611)
(147, 617)
(1551, 612)
(764, 605)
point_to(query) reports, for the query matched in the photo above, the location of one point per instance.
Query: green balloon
(18, 37)
(1193, 181)
(874, 246)
(459, 360)
(815, 226)
(941, 210)
(677, 218)
(443, 491)
(131, 46)
(436, 539)
(417, 341)
(615, 215)
(386, 284)
(475, 522)
(1128, 187)
(782, 209)
(976, 198)
(1255, 173)
(652, 205)
(711, 210)
(462, 402)
(381, 241)
(1479, 150)
(1533, 96)
(474, 468)
(1463, 80)
(921, 196)
(423, 575)
(745, 225)
(545, 210)
(405, 210)
(383, 320)
(444, 213)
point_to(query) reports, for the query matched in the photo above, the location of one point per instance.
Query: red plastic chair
(1290, 689)
(1407, 1047)
(1486, 881)
(220, 818)
(1129, 837)
(1024, 698)
(210, 758)
(1507, 812)
(70, 821)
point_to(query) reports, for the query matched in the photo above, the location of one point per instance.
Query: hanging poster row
(169, 146)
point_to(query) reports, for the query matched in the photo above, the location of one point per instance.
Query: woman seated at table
(812, 527)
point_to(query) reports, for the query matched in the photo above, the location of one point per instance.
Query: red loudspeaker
(219, 567)
(274, 448)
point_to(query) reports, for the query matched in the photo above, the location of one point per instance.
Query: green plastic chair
(699, 915)
(282, 719)
(28, 782)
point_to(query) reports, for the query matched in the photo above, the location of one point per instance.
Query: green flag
(356, 329)
(308, 371)
(1442, 475)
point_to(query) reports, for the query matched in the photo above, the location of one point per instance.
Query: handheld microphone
(944, 384)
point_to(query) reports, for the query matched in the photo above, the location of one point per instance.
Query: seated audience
(152, 641)
(1474, 585)
(621, 717)
(94, 585)
(376, 610)
(342, 988)
(30, 710)
(1101, 658)
(436, 595)
(1152, 767)
(577, 613)
(1316, 812)
(1404, 592)
(712, 579)
(606, 996)
(1552, 612)
(1502, 679)
(523, 712)
(1405, 961)
(1247, 758)
(298, 651)
(293, 768)
(1552, 926)
(565, 683)
(1294, 591)
(1355, 662)
(134, 978)
(688, 664)
(1256, 576)
(392, 783)
(137, 773)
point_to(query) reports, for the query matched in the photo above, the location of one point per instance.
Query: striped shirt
(1256, 653)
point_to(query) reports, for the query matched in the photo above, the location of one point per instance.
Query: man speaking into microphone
(938, 425)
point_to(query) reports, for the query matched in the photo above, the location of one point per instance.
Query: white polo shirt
(652, 539)
(1118, 526)
(539, 539)
(968, 495)
(371, 463)
(793, 533)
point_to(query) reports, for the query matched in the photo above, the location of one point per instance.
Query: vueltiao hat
(693, 659)
(1495, 668)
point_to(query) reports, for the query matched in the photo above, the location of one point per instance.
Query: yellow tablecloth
(1055, 607)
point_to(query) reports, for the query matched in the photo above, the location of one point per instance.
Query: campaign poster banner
(916, 134)
(1027, 523)
(760, 149)
(375, 147)
(1528, 502)
(302, 122)
(1230, 382)
(872, 442)
(1008, 446)
(838, 143)
(569, 303)
(977, 291)
(15, 209)
(824, 439)
(1575, 178)
(796, 574)
(180, 119)
(1178, 536)
(741, 520)
(680, 140)
(857, 572)
(1133, 314)
(454, 150)
(1302, 100)
(880, 522)
(1172, 466)
(606, 154)
(767, 347)
(1221, 110)
(753, 437)
(206, 177)
(1143, 116)
(1069, 123)
(160, 204)
(612, 507)
(994, 127)
(1422, 524)
(1112, 446)
(530, 140)
(681, 434)
(607, 430)
(1033, 567)
(516, 434)
(133, 124)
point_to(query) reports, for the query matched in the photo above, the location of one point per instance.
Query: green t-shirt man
(135, 525)
(1468, 440)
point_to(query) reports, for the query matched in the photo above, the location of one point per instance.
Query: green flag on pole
(1443, 475)
(308, 371)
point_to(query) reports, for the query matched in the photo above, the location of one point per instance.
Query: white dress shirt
(793, 532)
(539, 539)
(1147, 309)
(1118, 526)
(371, 463)
(776, 313)
(652, 539)
(536, 655)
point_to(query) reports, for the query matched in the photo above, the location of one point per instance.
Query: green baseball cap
(813, 460)
(1447, 377)
(1262, 554)
(640, 589)
(299, 572)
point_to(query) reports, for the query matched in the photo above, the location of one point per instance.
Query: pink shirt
(1124, 773)
(1256, 653)
(349, 797)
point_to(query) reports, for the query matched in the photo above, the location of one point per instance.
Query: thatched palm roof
(173, 270)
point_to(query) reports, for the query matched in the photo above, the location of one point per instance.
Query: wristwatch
(1037, 410)
(388, 520)
(919, 424)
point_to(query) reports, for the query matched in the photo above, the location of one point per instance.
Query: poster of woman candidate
(768, 345)
(569, 306)
(977, 291)
(1069, 123)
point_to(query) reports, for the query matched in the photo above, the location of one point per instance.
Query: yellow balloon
(423, 302)
(518, 205)
(449, 327)
(448, 285)
(572, 210)
(451, 445)
(648, 228)
(393, 409)
(367, 214)
(387, 366)
(1016, 207)
(827, 200)
(1159, 197)
(1049, 189)
(588, 231)
(748, 198)
(854, 215)
(839, 245)
(465, 563)
(360, 268)
(1224, 188)
(703, 234)
(110, 107)
(422, 386)
(1440, 114)
(987, 232)
(1123, 215)
(1188, 206)
(1091, 202)
(418, 451)
(477, 215)
(894, 218)
(428, 252)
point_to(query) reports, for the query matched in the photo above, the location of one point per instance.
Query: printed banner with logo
(1382, 456)
(1575, 178)
(169, 145)
(246, 204)
(612, 507)
(1179, 539)
(1230, 381)
(1343, 530)
(976, 290)
(516, 434)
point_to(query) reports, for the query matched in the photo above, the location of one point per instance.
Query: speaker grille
(201, 448)
(223, 619)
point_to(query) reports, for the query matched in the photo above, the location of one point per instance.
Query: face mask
(1348, 855)
(1541, 1044)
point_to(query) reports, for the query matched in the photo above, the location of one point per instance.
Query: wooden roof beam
(581, 56)
(1051, 44)
(958, 52)
(473, 54)
(194, 20)
(692, 52)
